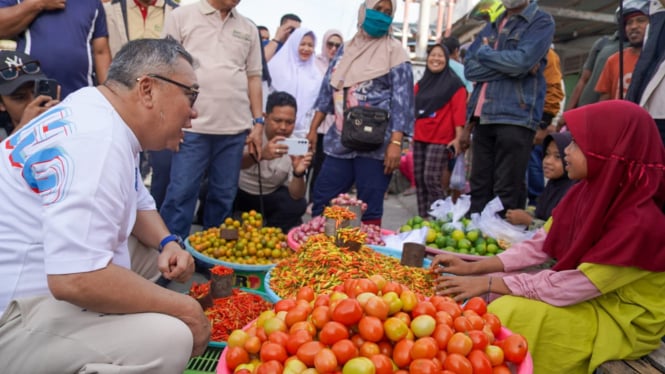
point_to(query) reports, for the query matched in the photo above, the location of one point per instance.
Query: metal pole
(405, 24)
(449, 22)
(423, 29)
(439, 20)
(622, 36)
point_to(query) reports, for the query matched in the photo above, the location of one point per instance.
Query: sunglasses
(333, 44)
(191, 92)
(13, 72)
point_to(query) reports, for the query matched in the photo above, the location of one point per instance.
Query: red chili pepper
(221, 270)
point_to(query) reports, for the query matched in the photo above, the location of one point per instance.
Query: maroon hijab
(613, 216)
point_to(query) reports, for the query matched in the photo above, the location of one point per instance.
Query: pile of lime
(464, 240)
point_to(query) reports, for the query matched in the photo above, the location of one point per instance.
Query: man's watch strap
(260, 120)
(168, 239)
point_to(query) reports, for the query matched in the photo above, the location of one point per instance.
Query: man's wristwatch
(258, 120)
(168, 239)
(298, 175)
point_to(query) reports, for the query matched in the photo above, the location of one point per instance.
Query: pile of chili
(338, 213)
(234, 312)
(322, 265)
(221, 270)
(198, 290)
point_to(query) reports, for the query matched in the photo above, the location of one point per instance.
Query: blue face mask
(376, 24)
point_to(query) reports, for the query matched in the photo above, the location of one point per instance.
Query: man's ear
(2, 106)
(145, 87)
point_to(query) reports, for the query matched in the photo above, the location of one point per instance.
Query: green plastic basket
(205, 363)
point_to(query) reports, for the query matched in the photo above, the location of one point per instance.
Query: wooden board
(654, 363)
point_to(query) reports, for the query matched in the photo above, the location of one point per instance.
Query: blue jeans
(160, 162)
(220, 155)
(535, 180)
(338, 175)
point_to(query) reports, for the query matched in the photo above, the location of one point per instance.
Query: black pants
(317, 162)
(500, 159)
(280, 210)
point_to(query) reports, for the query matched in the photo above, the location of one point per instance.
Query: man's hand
(284, 31)
(301, 163)
(36, 107)
(518, 217)
(50, 4)
(175, 263)
(465, 138)
(275, 148)
(312, 138)
(198, 324)
(392, 158)
(254, 141)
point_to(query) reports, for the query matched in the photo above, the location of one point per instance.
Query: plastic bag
(458, 176)
(490, 223)
(446, 211)
(413, 236)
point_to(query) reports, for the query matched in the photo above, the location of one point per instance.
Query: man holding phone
(279, 178)
(20, 75)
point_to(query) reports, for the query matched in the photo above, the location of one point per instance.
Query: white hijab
(302, 79)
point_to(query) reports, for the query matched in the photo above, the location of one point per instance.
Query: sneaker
(409, 191)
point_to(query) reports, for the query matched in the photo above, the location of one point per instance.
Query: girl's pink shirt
(558, 288)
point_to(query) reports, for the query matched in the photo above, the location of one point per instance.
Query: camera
(297, 146)
(48, 87)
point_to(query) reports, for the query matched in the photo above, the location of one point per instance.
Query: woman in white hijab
(294, 70)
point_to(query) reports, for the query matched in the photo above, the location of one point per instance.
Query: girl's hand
(518, 217)
(448, 263)
(461, 288)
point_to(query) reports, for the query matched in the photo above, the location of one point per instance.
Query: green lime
(417, 219)
(464, 244)
(473, 235)
(440, 241)
(405, 228)
(492, 248)
(450, 242)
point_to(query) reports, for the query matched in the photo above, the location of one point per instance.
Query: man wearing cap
(635, 19)
(68, 38)
(18, 74)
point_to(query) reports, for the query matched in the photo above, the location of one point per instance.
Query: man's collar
(528, 13)
(158, 4)
(206, 8)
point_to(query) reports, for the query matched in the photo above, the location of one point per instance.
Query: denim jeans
(338, 175)
(220, 155)
(535, 179)
(160, 162)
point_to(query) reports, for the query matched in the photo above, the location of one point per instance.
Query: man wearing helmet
(635, 18)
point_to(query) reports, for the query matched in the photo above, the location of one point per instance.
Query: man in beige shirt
(227, 48)
(278, 189)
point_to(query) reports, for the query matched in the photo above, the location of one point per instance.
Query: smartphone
(297, 146)
(48, 87)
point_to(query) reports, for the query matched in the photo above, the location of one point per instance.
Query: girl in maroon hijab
(604, 297)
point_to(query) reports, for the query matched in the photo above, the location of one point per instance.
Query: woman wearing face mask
(294, 70)
(332, 41)
(372, 70)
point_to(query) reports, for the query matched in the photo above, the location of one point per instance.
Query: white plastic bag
(398, 240)
(446, 211)
(458, 176)
(490, 223)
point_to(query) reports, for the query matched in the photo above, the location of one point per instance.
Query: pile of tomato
(373, 326)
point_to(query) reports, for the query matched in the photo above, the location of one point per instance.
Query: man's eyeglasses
(333, 45)
(191, 92)
(13, 72)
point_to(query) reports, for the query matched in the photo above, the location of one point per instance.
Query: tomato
(379, 280)
(296, 314)
(477, 322)
(284, 304)
(344, 350)
(296, 339)
(366, 285)
(236, 356)
(320, 316)
(369, 349)
(515, 348)
(442, 317)
(477, 304)
(272, 351)
(494, 354)
(325, 361)
(242, 371)
(237, 338)
(403, 316)
(307, 351)
(261, 334)
(395, 329)
(305, 293)
(457, 363)
(423, 325)
(333, 332)
(423, 366)
(357, 340)
(347, 312)
(382, 364)
(293, 366)
(386, 348)
(460, 343)
(279, 337)
(451, 308)
(424, 348)
(493, 321)
(490, 335)
(377, 307)
(391, 286)
(303, 325)
(423, 307)
(252, 345)
(462, 324)
(402, 353)
(274, 324)
(269, 367)
(370, 328)
(501, 369)
(480, 362)
(322, 299)
(479, 339)
(302, 303)
(409, 300)
(359, 365)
